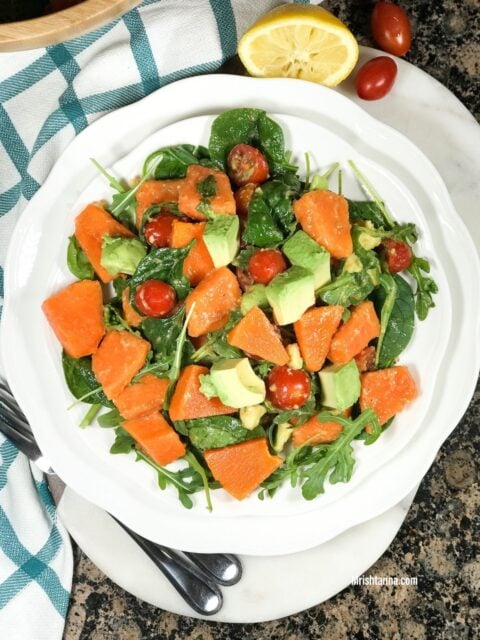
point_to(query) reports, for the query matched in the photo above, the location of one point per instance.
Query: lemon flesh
(299, 41)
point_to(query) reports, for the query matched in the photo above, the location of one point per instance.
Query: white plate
(36, 265)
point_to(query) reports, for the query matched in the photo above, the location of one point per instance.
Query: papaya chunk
(355, 334)
(317, 432)
(143, 397)
(314, 332)
(198, 263)
(256, 335)
(188, 402)
(387, 391)
(90, 227)
(215, 297)
(119, 357)
(190, 196)
(324, 216)
(133, 318)
(156, 437)
(155, 192)
(76, 316)
(241, 468)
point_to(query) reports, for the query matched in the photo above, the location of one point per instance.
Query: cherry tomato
(265, 264)
(391, 28)
(375, 79)
(247, 164)
(398, 255)
(288, 388)
(243, 197)
(155, 298)
(158, 230)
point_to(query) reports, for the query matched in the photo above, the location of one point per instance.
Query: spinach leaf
(249, 126)
(171, 162)
(119, 285)
(123, 443)
(162, 264)
(347, 289)
(395, 303)
(216, 432)
(365, 210)
(81, 380)
(278, 197)
(207, 187)
(77, 261)
(261, 229)
(216, 347)
(426, 286)
(163, 333)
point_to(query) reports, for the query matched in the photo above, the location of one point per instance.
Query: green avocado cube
(303, 251)
(340, 385)
(256, 296)
(221, 237)
(236, 383)
(290, 294)
(121, 255)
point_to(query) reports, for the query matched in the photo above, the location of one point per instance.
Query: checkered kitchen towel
(46, 97)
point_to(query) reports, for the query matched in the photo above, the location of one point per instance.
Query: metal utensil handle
(224, 568)
(201, 593)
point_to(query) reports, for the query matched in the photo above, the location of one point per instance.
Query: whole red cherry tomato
(247, 164)
(155, 298)
(158, 230)
(398, 255)
(243, 195)
(265, 264)
(391, 28)
(375, 79)
(288, 388)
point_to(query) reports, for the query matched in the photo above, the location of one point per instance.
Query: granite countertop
(439, 540)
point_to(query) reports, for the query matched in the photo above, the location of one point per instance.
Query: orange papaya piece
(215, 297)
(241, 468)
(119, 357)
(198, 263)
(133, 318)
(387, 391)
(156, 437)
(76, 316)
(317, 432)
(190, 196)
(256, 335)
(155, 192)
(314, 332)
(142, 398)
(188, 402)
(354, 334)
(90, 227)
(324, 216)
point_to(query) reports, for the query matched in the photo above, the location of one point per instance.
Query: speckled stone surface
(439, 540)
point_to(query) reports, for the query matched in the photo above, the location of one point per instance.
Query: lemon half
(299, 41)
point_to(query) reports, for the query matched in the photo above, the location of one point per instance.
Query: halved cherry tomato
(155, 298)
(375, 79)
(265, 264)
(247, 164)
(391, 28)
(288, 388)
(243, 197)
(158, 230)
(398, 255)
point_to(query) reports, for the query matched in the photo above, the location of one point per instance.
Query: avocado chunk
(290, 294)
(282, 436)
(236, 383)
(340, 385)
(303, 251)
(121, 255)
(221, 236)
(256, 296)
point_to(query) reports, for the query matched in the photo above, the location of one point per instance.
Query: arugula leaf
(217, 431)
(261, 229)
(207, 187)
(216, 347)
(243, 257)
(365, 210)
(90, 415)
(347, 289)
(113, 319)
(123, 443)
(77, 261)
(426, 286)
(395, 303)
(81, 380)
(371, 191)
(173, 161)
(162, 264)
(163, 334)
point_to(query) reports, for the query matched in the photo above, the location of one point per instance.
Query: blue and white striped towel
(47, 96)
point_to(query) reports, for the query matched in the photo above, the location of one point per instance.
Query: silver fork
(196, 581)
